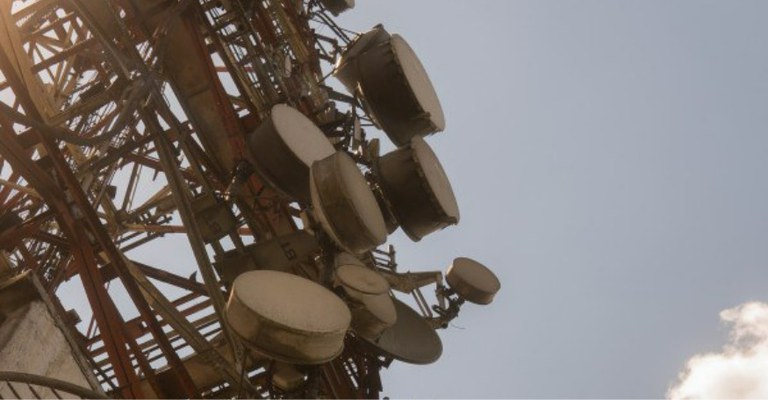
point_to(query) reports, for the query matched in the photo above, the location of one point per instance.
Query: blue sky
(609, 158)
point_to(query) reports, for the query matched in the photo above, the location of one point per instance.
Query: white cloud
(740, 370)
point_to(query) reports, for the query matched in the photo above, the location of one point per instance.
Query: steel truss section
(118, 118)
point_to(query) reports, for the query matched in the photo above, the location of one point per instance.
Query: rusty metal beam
(109, 273)
(106, 313)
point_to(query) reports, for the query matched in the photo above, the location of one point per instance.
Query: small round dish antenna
(359, 280)
(472, 281)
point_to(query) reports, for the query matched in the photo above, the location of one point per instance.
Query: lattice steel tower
(235, 127)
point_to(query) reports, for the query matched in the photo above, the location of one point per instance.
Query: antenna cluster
(125, 123)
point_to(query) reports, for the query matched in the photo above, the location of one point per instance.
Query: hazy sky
(609, 158)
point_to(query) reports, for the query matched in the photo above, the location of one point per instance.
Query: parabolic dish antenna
(284, 147)
(345, 69)
(359, 280)
(344, 204)
(418, 190)
(472, 281)
(410, 339)
(287, 317)
(394, 84)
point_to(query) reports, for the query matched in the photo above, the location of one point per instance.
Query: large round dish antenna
(394, 85)
(288, 318)
(418, 189)
(344, 204)
(284, 147)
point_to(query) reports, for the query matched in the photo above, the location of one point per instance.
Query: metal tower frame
(123, 123)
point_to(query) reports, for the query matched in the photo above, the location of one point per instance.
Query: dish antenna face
(345, 205)
(358, 280)
(472, 281)
(394, 84)
(411, 339)
(284, 147)
(417, 188)
(288, 318)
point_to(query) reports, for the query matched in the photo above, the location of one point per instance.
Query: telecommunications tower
(193, 203)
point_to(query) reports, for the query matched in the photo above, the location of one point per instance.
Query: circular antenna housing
(346, 66)
(287, 318)
(344, 204)
(417, 188)
(472, 281)
(359, 281)
(284, 147)
(394, 84)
